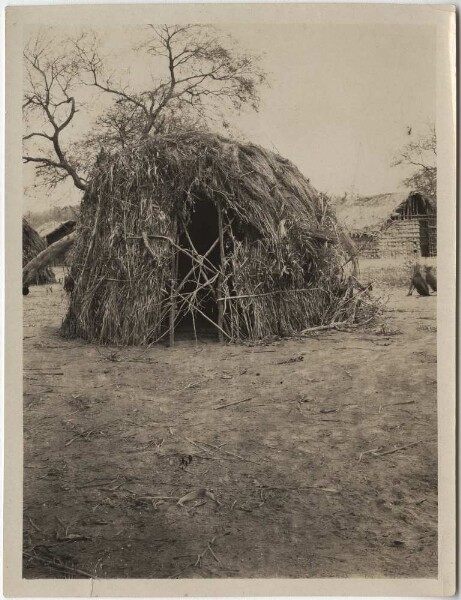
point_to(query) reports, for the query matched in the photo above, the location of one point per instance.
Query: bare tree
(421, 154)
(196, 71)
(50, 104)
(201, 73)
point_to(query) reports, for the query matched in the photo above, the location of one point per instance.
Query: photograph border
(18, 18)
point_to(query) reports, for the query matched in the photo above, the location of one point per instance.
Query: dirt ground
(327, 466)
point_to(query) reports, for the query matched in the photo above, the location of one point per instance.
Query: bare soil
(328, 468)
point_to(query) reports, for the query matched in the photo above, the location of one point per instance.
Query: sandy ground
(328, 468)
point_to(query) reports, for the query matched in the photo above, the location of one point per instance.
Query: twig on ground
(157, 498)
(231, 453)
(80, 435)
(198, 561)
(54, 369)
(374, 450)
(292, 360)
(46, 372)
(198, 445)
(59, 566)
(202, 554)
(231, 404)
(304, 487)
(195, 384)
(213, 554)
(211, 457)
(400, 448)
(34, 525)
(96, 483)
(400, 403)
(334, 325)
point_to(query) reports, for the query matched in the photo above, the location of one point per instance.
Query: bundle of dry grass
(196, 228)
(32, 245)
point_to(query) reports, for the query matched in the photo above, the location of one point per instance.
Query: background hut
(197, 230)
(391, 224)
(33, 244)
(54, 231)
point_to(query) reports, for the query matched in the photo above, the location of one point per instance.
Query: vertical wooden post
(173, 284)
(220, 278)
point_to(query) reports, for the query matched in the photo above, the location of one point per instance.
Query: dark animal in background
(419, 283)
(25, 290)
(431, 278)
(69, 284)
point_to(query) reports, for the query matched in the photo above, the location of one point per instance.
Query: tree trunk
(45, 257)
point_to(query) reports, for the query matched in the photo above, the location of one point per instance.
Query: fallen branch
(47, 256)
(337, 325)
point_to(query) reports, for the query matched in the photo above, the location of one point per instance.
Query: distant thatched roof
(47, 227)
(277, 267)
(371, 214)
(33, 244)
(54, 231)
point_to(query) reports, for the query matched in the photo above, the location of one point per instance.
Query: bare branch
(420, 154)
(37, 134)
(51, 77)
(202, 73)
(199, 69)
(43, 161)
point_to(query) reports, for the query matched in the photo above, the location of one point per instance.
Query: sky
(339, 102)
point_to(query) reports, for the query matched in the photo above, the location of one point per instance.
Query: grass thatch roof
(33, 244)
(46, 228)
(277, 267)
(56, 233)
(370, 214)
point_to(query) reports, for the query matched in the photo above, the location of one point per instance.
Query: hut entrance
(199, 270)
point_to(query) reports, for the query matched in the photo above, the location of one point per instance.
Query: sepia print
(229, 297)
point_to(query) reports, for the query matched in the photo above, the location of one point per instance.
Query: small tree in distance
(421, 154)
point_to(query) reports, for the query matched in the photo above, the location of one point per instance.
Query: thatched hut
(32, 245)
(399, 224)
(193, 230)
